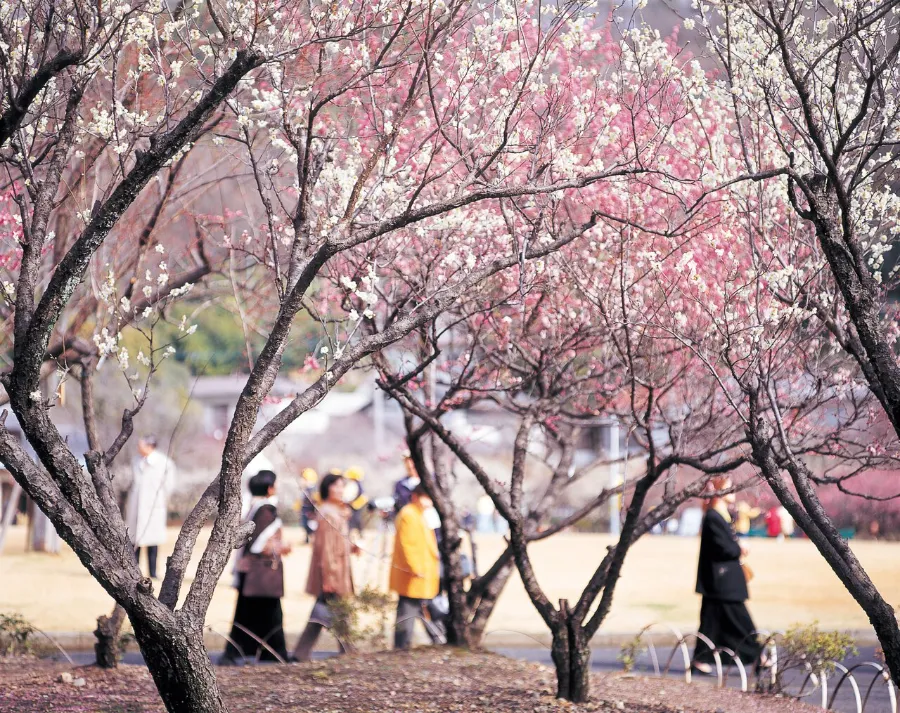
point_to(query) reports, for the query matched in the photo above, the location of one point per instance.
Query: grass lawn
(792, 584)
(424, 681)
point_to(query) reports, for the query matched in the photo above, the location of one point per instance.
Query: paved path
(606, 660)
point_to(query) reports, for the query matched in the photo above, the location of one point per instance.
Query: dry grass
(792, 584)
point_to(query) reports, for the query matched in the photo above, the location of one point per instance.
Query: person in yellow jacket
(415, 570)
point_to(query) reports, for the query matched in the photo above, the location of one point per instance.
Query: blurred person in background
(308, 501)
(773, 523)
(330, 576)
(404, 487)
(787, 522)
(415, 567)
(721, 581)
(485, 509)
(148, 500)
(355, 496)
(259, 579)
(744, 515)
(258, 463)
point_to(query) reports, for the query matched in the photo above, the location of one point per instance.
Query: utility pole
(615, 478)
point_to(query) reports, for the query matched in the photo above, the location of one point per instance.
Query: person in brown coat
(329, 569)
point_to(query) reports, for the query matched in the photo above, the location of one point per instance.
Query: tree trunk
(180, 667)
(458, 618)
(107, 633)
(458, 631)
(483, 602)
(809, 514)
(572, 658)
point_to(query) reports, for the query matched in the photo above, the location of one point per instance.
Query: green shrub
(630, 651)
(809, 646)
(347, 625)
(15, 635)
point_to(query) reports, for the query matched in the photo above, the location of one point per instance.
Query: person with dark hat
(722, 582)
(260, 581)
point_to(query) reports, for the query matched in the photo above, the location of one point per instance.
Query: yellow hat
(310, 476)
(354, 472)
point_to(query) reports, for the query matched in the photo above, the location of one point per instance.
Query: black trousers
(263, 618)
(152, 552)
(728, 625)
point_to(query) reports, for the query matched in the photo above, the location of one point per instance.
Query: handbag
(264, 576)
(748, 572)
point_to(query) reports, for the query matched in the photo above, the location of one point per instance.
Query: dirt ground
(792, 584)
(423, 681)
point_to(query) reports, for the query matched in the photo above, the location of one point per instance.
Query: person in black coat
(724, 618)
(259, 579)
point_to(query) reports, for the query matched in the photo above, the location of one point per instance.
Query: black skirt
(728, 625)
(261, 616)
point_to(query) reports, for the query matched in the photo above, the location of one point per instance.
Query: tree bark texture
(863, 296)
(107, 633)
(180, 667)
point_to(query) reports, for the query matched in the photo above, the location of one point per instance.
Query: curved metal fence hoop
(712, 647)
(892, 691)
(651, 647)
(345, 646)
(55, 643)
(846, 676)
(429, 627)
(266, 638)
(819, 681)
(768, 643)
(228, 639)
(880, 673)
(740, 667)
(891, 687)
(654, 659)
(260, 642)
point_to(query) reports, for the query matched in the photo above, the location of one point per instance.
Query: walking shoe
(702, 668)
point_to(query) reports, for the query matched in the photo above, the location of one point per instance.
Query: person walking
(486, 510)
(330, 577)
(787, 522)
(259, 580)
(404, 487)
(745, 514)
(309, 502)
(773, 523)
(721, 581)
(355, 496)
(148, 500)
(415, 573)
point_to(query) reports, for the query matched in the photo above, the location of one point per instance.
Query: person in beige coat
(148, 500)
(330, 577)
